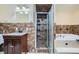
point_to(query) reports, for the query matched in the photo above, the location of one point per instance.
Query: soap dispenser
(26, 29)
(16, 29)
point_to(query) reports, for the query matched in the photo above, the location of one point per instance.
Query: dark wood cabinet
(15, 44)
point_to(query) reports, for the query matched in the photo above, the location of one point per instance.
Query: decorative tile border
(70, 29)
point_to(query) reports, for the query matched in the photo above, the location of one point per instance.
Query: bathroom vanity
(15, 43)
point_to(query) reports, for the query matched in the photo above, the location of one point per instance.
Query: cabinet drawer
(11, 37)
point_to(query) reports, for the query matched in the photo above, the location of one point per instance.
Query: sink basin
(15, 34)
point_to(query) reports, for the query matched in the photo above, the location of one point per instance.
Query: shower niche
(42, 30)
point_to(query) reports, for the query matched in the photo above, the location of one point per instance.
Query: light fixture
(23, 8)
(17, 8)
(26, 12)
(21, 12)
(27, 9)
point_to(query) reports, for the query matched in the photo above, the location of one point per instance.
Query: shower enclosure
(42, 30)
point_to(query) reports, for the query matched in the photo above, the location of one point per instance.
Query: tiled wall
(71, 29)
(75, 29)
(10, 27)
(63, 29)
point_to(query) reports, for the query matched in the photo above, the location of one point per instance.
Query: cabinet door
(12, 46)
(8, 47)
(24, 44)
(5, 46)
(17, 49)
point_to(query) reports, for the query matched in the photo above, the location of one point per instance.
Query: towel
(1, 39)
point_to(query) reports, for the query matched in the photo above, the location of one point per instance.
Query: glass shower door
(42, 31)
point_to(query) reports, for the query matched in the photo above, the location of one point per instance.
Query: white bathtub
(70, 39)
(66, 50)
(67, 37)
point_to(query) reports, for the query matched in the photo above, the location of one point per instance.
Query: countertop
(15, 34)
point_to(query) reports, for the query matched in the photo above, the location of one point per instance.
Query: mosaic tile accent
(68, 29)
(75, 29)
(63, 29)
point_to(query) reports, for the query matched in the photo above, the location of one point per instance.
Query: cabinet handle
(11, 46)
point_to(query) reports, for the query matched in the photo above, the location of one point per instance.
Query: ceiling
(43, 7)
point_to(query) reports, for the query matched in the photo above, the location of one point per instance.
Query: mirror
(22, 13)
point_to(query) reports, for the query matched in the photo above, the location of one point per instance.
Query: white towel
(1, 39)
